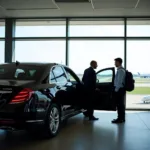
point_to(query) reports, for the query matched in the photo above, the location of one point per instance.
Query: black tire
(52, 120)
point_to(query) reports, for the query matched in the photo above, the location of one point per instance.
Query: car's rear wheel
(52, 121)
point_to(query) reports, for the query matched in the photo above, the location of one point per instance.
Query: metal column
(125, 51)
(125, 43)
(9, 43)
(67, 32)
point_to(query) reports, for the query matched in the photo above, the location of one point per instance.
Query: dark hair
(119, 60)
(92, 62)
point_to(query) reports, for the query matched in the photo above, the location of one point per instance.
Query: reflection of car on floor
(146, 99)
(34, 94)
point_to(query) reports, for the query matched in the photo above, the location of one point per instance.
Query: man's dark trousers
(89, 100)
(120, 100)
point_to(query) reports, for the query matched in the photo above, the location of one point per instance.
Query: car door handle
(58, 87)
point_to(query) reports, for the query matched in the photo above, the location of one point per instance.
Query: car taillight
(22, 96)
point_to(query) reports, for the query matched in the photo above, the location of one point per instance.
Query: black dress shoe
(118, 121)
(93, 118)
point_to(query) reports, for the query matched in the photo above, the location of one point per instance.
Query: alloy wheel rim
(54, 120)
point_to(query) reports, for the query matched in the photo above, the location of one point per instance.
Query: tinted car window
(22, 72)
(59, 74)
(18, 72)
(32, 72)
(71, 77)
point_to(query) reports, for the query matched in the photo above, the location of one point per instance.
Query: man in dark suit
(89, 80)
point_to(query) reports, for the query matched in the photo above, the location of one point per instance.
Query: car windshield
(21, 72)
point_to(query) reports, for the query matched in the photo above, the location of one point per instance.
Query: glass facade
(138, 28)
(40, 28)
(40, 51)
(77, 41)
(138, 53)
(2, 51)
(102, 28)
(81, 52)
(2, 29)
(2, 41)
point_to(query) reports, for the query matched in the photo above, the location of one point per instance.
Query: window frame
(106, 69)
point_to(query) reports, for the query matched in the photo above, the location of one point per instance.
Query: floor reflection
(80, 134)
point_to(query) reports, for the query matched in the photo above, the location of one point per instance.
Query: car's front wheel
(52, 121)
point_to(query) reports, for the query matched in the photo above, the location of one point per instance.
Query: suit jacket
(89, 79)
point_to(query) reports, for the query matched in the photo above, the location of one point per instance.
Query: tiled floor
(80, 134)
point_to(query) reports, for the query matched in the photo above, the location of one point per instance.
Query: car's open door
(103, 98)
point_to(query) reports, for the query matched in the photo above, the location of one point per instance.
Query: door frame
(110, 68)
(105, 105)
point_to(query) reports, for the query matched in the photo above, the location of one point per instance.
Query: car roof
(32, 63)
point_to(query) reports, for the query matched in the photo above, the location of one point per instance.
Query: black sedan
(46, 94)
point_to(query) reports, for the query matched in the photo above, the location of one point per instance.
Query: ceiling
(63, 8)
